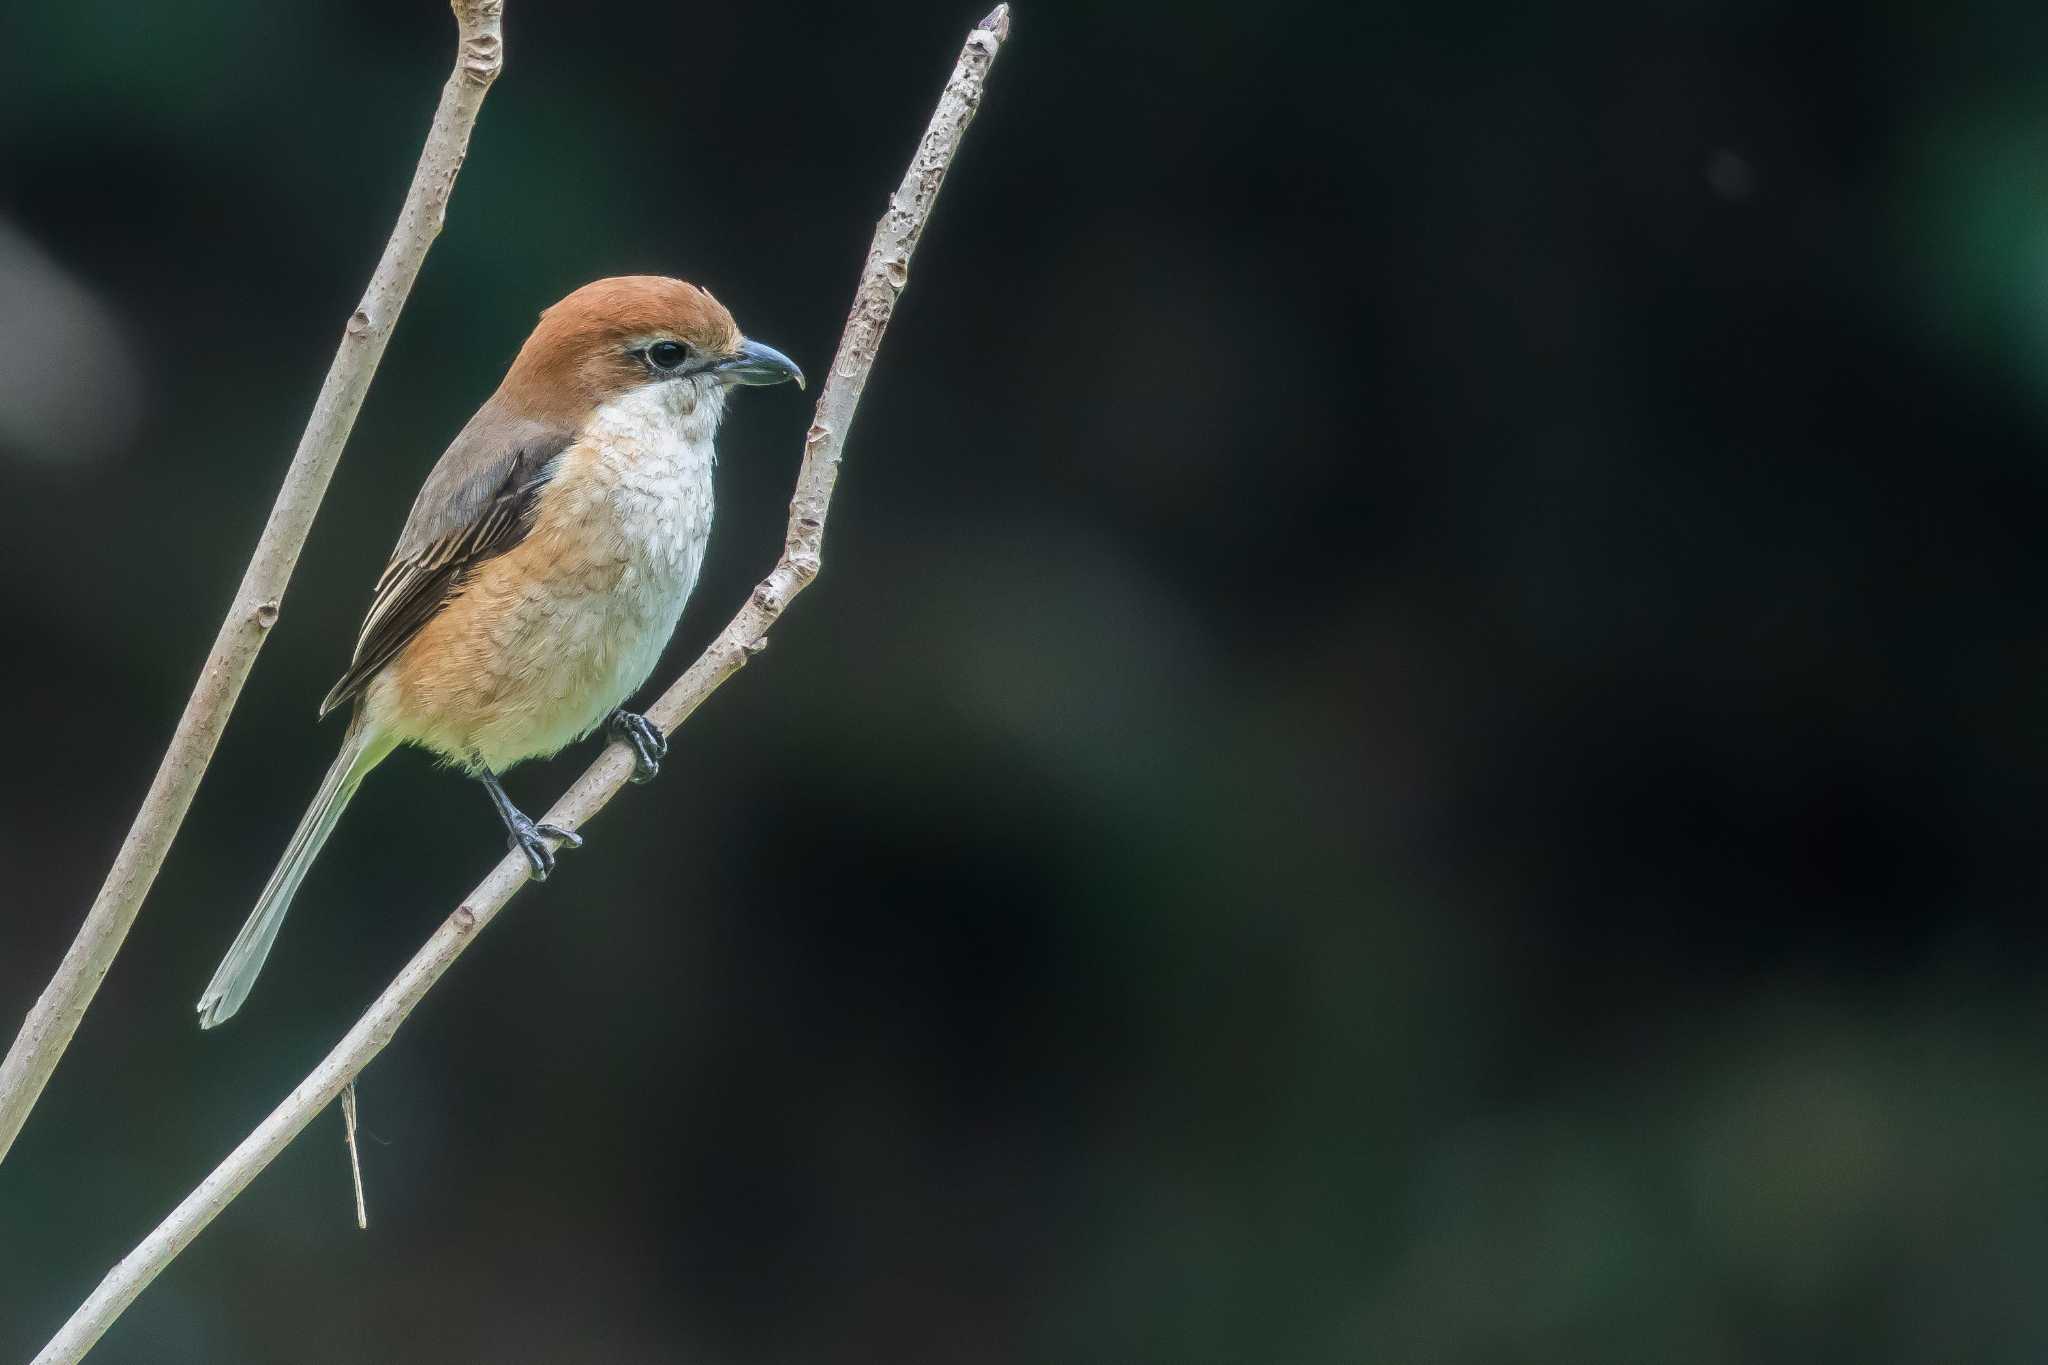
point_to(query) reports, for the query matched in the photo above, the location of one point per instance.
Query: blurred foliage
(1419, 742)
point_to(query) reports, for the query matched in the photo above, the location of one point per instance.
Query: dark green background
(1420, 742)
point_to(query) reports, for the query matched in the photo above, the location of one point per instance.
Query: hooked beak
(755, 364)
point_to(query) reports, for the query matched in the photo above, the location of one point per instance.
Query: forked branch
(882, 280)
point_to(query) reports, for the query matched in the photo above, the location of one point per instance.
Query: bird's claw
(531, 839)
(644, 738)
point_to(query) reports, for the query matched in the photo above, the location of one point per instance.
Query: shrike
(542, 570)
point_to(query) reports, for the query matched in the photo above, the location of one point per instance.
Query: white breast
(634, 500)
(655, 456)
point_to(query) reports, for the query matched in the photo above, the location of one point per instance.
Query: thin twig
(355, 1159)
(882, 280)
(53, 1020)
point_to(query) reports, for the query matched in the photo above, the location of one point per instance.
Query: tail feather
(361, 751)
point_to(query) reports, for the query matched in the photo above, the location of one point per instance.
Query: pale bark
(54, 1018)
(882, 280)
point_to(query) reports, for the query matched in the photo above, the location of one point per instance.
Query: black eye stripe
(667, 355)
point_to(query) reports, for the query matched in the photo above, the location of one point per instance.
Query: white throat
(654, 452)
(685, 411)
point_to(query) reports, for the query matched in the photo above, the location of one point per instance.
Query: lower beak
(756, 364)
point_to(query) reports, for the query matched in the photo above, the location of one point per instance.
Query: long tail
(362, 750)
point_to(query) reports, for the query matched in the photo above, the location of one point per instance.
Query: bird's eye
(667, 355)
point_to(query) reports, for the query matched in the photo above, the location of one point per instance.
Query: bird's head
(614, 337)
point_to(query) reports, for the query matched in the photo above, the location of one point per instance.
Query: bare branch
(53, 1020)
(882, 280)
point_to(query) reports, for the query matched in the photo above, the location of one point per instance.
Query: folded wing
(478, 503)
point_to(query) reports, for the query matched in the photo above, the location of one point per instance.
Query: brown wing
(477, 503)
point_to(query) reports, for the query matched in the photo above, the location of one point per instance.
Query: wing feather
(477, 504)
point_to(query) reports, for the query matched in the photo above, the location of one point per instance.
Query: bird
(541, 572)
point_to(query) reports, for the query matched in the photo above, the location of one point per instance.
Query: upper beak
(756, 364)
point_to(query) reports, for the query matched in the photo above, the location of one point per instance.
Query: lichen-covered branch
(882, 279)
(54, 1018)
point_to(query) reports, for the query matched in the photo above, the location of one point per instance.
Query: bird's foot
(521, 831)
(645, 738)
(532, 838)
